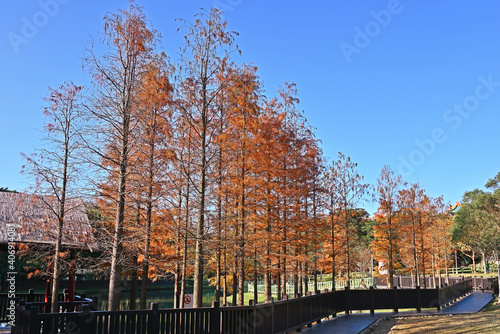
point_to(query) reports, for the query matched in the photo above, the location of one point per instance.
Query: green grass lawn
(247, 298)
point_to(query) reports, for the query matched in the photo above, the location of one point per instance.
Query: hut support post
(72, 276)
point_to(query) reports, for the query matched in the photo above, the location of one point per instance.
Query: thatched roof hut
(35, 223)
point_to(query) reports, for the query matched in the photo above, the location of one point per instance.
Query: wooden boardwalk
(355, 323)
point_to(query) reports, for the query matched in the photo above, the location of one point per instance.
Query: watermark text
(32, 24)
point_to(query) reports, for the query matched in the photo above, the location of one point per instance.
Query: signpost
(188, 301)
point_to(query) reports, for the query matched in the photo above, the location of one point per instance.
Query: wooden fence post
(215, 318)
(177, 300)
(31, 297)
(154, 319)
(320, 307)
(438, 292)
(396, 300)
(34, 327)
(372, 300)
(253, 321)
(419, 299)
(86, 319)
(272, 313)
(346, 300)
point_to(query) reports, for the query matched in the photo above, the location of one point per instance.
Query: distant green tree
(492, 202)
(6, 190)
(493, 206)
(477, 222)
(360, 220)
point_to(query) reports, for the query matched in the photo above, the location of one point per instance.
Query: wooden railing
(272, 317)
(356, 283)
(154, 320)
(485, 283)
(288, 315)
(408, 282)
(469, 269)
(29, 297)
(38, 299)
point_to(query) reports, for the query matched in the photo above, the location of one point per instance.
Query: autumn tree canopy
(196, 173)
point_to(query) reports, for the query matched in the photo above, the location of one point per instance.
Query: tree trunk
(185, 250)
(415, 255)
(278, 283)
(422, 251)
(306, 279)
(255, 277)
(219, 218)
(177, 268)
(145, 264)
(219, 240)
(278, 276)
(296, 277)
(149, 216)
(62, 207)
(446, 267)
(235, 287)
(333, 244)
(283, 278)
(267, 278)
(241, 250)
(390, 281)
(498, 269)
(115, 269)
(434, 271)
(348, 250)
(133, 286)
(483, 261)
(186, 230)
(224, 292)
(315, 268)
(200, 228)
(224, 281)
(54, 306)
(473, 262)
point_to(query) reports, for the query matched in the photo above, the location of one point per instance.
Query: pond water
(161, 294)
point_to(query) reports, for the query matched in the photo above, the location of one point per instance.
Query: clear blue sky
(381, 81)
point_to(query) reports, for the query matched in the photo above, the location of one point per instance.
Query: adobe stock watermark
(226, 5)
(364, 35)
(453, 116)
(11, 275)
(31, 25)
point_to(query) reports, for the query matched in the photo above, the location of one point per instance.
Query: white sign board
(188, 301)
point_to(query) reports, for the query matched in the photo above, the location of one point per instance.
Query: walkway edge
(485, 300)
